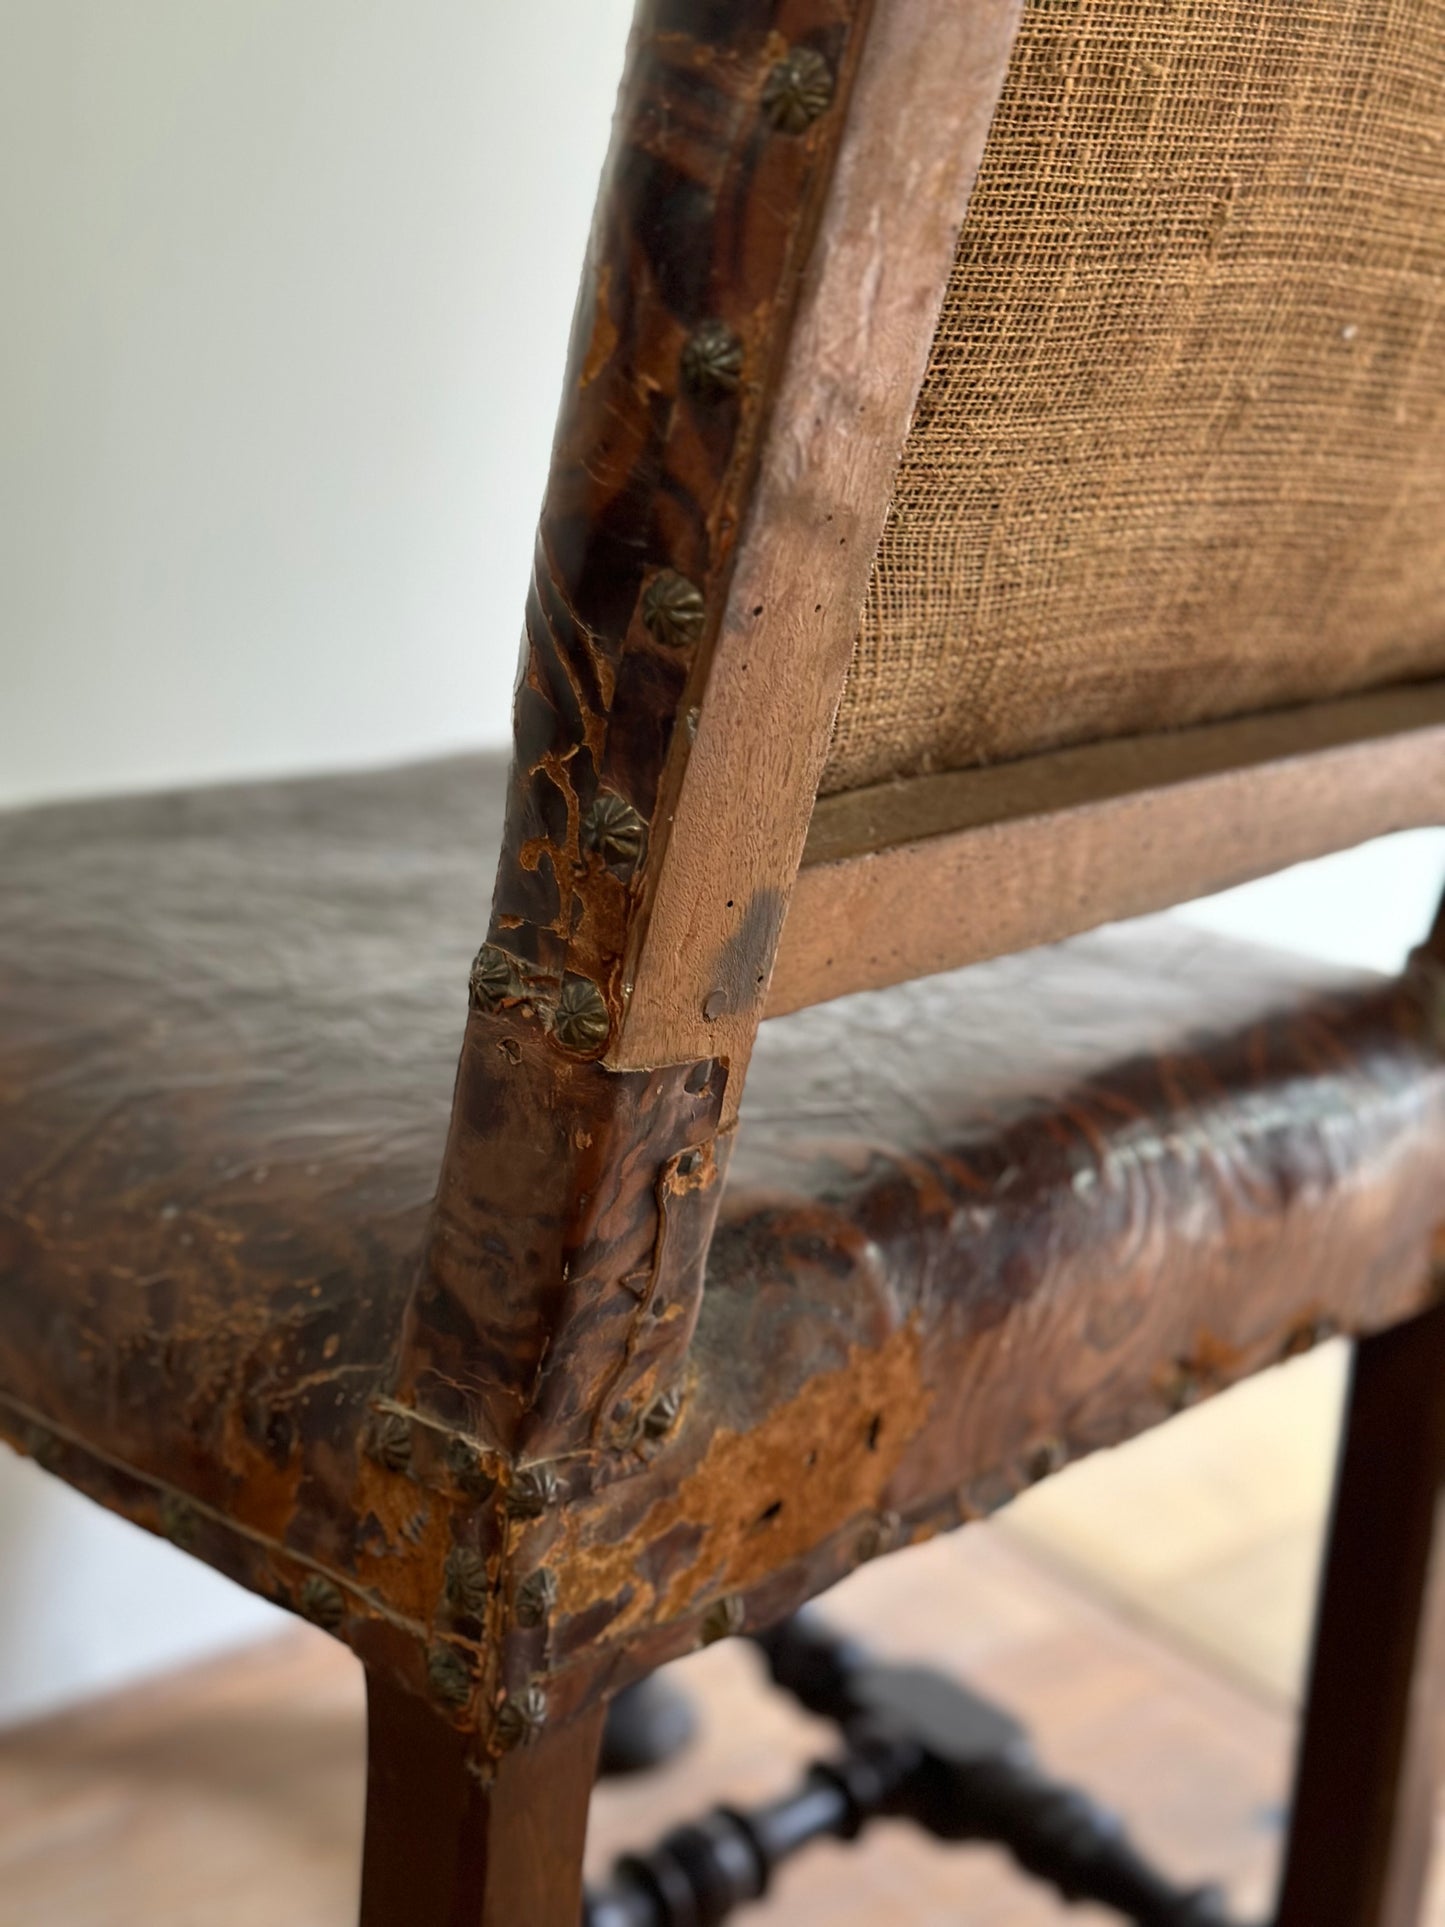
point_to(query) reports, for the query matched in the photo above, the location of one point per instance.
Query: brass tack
(1182, 1387)
(723, 1618)
(662, 1415)
(468, 1468)
(467, 1583)
(673, 611)
(521, 1718)
(449, 1676)
(712, 360)
(798, 90)
(1044, 1459)
(321, 1603)
(877, 1536)
(613, 829)
(581, 1022)
(532, 1492)
(389, 1442)
(536, 1596)
(178, 1522)
(494, 977)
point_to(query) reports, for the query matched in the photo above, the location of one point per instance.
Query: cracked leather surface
(970, 1224)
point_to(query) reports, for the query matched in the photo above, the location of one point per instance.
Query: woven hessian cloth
(1180, 452)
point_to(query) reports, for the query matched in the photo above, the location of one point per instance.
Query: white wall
(286, 287)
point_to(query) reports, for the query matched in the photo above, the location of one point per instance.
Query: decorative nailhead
(582, 1022)
(614, 829)
(321, 1603)
(532, 1492)
(536, 1596)
(878, 1536)
(673, 611)
(469, 1469)
(467, 1582)
(494, 977)
(712, 361)
(663, 1413)
(723, 1618)
(179, 1522)
(449, 1676)
(1044, 1459)
(521, 1719)
(1183, 1387)
(798, 90)
(389, 1441)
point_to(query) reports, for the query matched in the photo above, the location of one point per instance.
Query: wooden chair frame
(771, 253)
(734, 418)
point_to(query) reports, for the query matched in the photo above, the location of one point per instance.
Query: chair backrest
(776, 240)
(1180, 452)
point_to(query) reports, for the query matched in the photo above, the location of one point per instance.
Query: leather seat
(229, 1023)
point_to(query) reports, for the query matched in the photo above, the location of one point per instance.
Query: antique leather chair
(1136, 482)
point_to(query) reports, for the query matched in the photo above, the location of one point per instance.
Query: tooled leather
(706, 213)
(972, 1227)
(704, 221)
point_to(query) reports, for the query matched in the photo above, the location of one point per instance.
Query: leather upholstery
(1008, 1214)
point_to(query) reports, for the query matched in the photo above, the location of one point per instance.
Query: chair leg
(446, 1847)
(1359, 1845)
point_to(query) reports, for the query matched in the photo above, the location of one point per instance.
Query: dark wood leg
(446, 1847)
(1359, 1842)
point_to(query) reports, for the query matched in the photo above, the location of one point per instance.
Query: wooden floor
(232, 1795)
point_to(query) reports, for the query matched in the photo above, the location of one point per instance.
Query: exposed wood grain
(924, 876)
(455, 1841)
(930, 77)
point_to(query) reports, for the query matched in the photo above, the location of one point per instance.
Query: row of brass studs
(798, 89)
(674, 613)
(580, 1021)
(533, 1490)
(522, 1716)
(468, 1588)
(520, 1719)
(796, 92)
